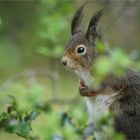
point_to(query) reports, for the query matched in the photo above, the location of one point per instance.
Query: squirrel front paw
(83, 91)
(86, 91)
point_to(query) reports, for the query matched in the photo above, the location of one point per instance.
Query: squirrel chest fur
(97, 105)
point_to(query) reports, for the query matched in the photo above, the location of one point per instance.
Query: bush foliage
(26, 110)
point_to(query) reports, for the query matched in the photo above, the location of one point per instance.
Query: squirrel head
(80, 51)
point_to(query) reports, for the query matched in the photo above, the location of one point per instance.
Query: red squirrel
(121, 95)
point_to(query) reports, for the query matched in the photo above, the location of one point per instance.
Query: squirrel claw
(84, 91)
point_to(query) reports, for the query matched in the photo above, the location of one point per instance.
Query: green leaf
(20, 128)
(57, 51)
(101, 46)
(102, 68)
(45, 51)
(30, 117)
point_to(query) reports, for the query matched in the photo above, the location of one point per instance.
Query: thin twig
(27, 74)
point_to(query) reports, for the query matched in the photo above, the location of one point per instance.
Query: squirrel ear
(77, 20)
(92, 27)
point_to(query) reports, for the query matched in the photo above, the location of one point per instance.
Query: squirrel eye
(81, 49)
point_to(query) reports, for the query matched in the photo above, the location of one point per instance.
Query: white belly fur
(96, 105)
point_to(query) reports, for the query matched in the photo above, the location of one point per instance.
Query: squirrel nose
(64, 62)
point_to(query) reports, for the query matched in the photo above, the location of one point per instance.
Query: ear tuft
(93, 24)
(77, 20)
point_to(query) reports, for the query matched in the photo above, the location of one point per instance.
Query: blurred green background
(33, 35)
